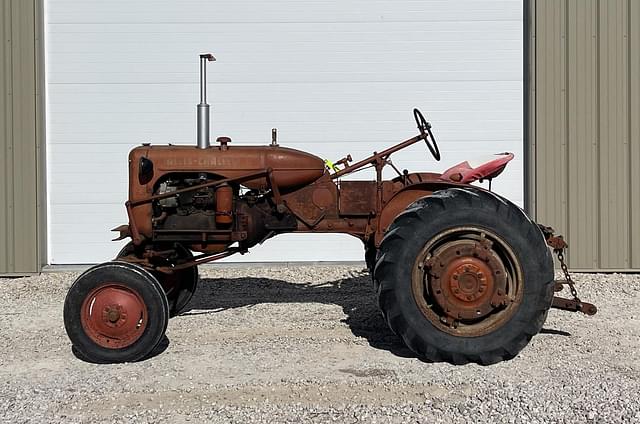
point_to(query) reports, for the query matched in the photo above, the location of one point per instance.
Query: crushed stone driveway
(307, 344)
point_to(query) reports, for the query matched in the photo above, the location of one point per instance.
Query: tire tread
(399, 232)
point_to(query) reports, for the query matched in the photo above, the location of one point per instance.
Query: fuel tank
(291, 168)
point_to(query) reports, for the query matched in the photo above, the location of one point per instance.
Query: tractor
(460, 273)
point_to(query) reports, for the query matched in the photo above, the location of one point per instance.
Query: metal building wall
(584, 129)
(22, 214)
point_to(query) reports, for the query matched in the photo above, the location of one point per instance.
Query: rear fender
(405, 197)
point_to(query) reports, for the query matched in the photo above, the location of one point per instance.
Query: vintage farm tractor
(460, 273)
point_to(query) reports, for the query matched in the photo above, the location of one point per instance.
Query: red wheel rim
(467, 281)
(113, 316)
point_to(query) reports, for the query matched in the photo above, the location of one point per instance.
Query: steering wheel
(425, 132)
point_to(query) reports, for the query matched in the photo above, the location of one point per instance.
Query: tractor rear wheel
(115, 312)
(180, 285)
(465, 276)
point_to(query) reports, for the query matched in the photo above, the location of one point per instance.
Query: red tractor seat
(481, 168)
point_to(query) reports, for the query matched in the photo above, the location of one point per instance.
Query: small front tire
(115, 312)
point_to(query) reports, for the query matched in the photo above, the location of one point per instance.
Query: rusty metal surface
(558, 244)
(113, 316)
(573, 305)
(467, 281)
(309, 212)
(291, 168)
(224, 204)
(357, 198)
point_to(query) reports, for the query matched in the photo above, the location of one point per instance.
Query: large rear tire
(465, 276)
(115, 312)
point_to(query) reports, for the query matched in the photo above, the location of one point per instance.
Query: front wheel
(115, 312)
(465, 276)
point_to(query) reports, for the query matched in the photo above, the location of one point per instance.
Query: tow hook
(558, 244)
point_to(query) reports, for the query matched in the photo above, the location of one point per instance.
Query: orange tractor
(460, 273)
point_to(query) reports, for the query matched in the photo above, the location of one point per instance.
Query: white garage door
(335, 77)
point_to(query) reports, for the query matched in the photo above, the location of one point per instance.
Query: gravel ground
(306, 344)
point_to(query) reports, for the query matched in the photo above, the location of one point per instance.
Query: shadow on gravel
(161, 347)
(354, 294)
(554, 332)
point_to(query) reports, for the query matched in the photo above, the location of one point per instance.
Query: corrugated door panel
(582, 132)
(19, 227)
(24, 134)
(551, 148)
(41, 131)
(614, 135)
(587, 147)
(634, 128)
(5, 139)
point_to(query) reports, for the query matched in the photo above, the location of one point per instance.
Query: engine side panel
(149, 165)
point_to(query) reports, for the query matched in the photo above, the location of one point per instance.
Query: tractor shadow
(353, 294)
(555, 332)
(160, 347)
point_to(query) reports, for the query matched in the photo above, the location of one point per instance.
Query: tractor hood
(291, 168)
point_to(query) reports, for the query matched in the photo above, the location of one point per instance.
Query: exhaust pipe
(203, 107)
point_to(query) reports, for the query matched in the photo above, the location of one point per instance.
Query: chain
(567, 276)
(558, 245)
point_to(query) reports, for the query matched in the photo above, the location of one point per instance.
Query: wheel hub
(467, 279)
(114, 316)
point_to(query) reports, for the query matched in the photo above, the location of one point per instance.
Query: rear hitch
(558, 244)
(573, 306)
